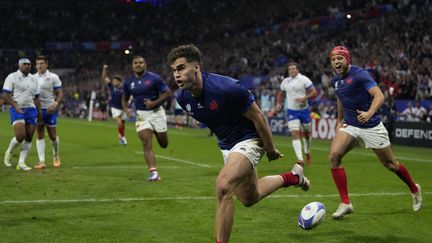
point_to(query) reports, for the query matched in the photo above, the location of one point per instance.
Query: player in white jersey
(21, 92)
(51, 94)
(298, 89)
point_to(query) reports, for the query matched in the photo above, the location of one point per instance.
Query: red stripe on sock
(152, 169)
(290, 179)
(340, 179)
(406, 177)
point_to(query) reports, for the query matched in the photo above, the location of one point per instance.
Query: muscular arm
(153, 103)
(9, 100)
(311, 93)
(59, 96)
(280, 97)
(340, 115)
(377, 101)
(259, 120)
(105, 77)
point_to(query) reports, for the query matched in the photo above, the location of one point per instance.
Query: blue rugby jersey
(220, 108)
(148, 86)
(116, 96)
(352, 91)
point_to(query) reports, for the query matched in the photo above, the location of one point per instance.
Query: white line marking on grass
(179, 160)
(371, 154)
(142, 167)
(112, 125)
(192, 198)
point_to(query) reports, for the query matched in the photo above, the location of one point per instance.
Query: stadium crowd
(259, 40)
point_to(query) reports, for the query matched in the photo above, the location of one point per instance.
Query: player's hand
(52, 108)
(338, 125)
(149, 104)
(274, 155)
(129, 113)
(18, 108)
(105, 66)
(363, 116)
(40, 120)
(300, 99)
(278, 108)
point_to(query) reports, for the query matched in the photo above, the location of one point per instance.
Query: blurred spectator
(420, 112)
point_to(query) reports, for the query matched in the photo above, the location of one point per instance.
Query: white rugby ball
(311, 215)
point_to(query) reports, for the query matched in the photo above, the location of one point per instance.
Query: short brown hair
(190, 52)
(293, 64)
(42, 57)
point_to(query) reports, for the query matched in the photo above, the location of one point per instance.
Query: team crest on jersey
(214, 106)
(188, 108)
(132, 85)
(336, 85)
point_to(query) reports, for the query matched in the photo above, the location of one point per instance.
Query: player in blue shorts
(358, 100)
(21, 92)
(244, 136)
(298, 89)
(116, 92)
(149, 93)
(51, 94)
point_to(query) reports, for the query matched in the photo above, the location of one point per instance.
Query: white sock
(40, 145)
(26, 146)
(307, 143)
(297, 148)
(12, 145)
(56, 146)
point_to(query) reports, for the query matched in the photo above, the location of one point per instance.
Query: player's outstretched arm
(257, 117)
(105, 77)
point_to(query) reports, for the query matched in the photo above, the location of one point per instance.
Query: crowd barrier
(418, 134)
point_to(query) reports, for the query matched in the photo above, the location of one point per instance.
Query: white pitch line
(193, 198)
(180, 160)
(126, 167)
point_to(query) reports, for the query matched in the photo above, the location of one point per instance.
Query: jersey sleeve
(307, 83)
(8, 84)
(283, 84)
(126, 90)
(161, 85)
(242, 97)
(57, 82)
(367, 81)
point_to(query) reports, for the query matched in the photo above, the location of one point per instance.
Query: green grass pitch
(100, 194)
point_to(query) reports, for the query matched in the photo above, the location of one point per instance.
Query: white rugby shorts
(375, 137)
(155, 120)
(118, 113)
(249, 148)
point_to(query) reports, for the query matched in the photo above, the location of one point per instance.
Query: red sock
(218, 241)
(121, 130)
(290, 179)
(405, 176)
(340, 180)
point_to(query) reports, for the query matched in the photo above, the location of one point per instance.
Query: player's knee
(248, 202)
(163, 144)
(390, 165)
(334, 158)
(223, 190)
(19, 138)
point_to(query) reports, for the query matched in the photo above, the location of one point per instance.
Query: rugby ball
(311, 215)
